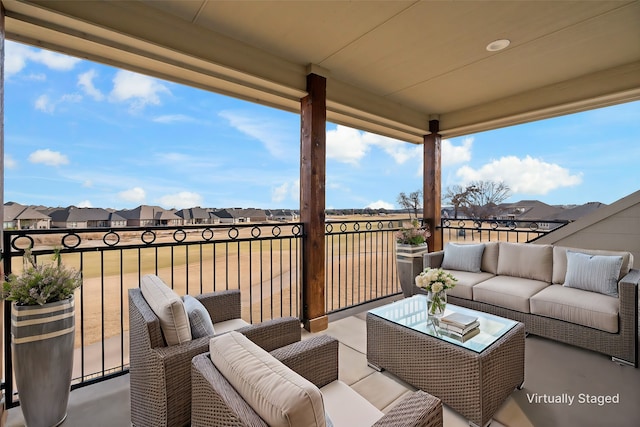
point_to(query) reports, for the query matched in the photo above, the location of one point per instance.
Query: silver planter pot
(42, 349)
(409, 263)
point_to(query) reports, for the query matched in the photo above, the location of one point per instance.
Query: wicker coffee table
(473, 377)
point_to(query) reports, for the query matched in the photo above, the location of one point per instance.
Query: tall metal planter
(409, 263)
(42, 339)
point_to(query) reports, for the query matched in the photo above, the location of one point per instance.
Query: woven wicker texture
(622, 345)
(473, 384)
(160, 376)
(216, 403)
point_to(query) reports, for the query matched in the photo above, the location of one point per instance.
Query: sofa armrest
(433, 259)
(628, 295)
(316, 359)
(222, 305)
(275, 333)
(419, 409)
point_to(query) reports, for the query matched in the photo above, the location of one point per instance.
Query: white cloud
(17, 56)
(183, 199)
(135, 194)
(271, 134)
(9, 162)
(84, 204)
(44, 104)
(288, 190)
(526, 176)
(87, 183)
(48, 157)
(452, 154)
(85, 81)
(346, 145)
(380, 204)
(136, 89)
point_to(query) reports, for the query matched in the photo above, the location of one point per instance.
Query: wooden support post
(313, 150)
(432, 185)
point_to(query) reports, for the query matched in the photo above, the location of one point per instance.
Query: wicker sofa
(238, 384)
(550, 289)
(160, 374)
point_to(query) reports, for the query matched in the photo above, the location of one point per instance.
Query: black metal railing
(505, 230)
(262, 260)
(360, 262)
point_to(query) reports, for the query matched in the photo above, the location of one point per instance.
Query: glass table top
(412, 313)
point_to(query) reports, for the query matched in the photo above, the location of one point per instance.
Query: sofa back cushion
(490, 258)
(560, 261)
(169, 308)
(280, 396)
(526, 260)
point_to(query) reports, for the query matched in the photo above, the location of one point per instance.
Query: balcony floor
(551, 369)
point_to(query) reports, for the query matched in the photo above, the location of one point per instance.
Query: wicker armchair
(215, 402)
(160, 375)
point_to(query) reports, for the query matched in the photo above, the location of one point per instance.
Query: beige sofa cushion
(577, 306)
(466, 282)
(490, 257)
(508, 292)
(560, 261)
(169, 308)
(526, 260)
(280, 396)
(348, 408)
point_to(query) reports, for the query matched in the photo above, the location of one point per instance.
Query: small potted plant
(42, 337)
(411, 245)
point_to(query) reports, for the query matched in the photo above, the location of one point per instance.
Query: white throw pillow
(280, 396)
(169, 308)
(199, 318)
(463, 257)
(595, 273)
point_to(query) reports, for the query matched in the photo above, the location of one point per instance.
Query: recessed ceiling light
(497, 45)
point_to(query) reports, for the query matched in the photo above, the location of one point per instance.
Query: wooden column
(432, 184)
(313, 149)
(9, 377)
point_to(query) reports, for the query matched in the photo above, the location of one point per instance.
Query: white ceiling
(391, 66)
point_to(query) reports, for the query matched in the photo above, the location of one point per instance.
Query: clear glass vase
(436, 304)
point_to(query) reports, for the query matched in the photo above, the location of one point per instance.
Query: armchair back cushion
(169, 308)
(277, 394)
(525, 260)
(199, 318)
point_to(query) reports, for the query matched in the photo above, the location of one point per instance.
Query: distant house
(283, 215)
(20, 217)
(194, 216)
(74, 217)
(150, 216)
(225, 216)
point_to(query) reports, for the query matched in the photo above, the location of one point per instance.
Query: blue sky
(81, 133)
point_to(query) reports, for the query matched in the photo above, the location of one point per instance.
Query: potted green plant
(42, 337)
(411, 245)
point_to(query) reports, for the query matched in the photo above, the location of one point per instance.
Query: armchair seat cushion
(229, 325)
(277, 394)
(348, 408)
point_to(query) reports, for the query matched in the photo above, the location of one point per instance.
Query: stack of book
(460, 324)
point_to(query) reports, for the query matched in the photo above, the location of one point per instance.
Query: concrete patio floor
(551, 369)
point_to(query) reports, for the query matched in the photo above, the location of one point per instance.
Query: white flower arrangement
(435, 280)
